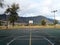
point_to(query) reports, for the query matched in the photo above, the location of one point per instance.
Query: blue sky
(36, 7)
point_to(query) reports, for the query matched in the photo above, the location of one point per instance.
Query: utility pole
(54, 11)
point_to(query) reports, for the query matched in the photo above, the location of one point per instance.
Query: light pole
(54, 11)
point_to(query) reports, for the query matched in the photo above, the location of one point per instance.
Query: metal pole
(54, 17)
(54, 21)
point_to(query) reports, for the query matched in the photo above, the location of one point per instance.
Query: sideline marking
(49, 41)
(10, 42)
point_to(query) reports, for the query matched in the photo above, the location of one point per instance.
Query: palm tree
(12, 11)
(1, 3)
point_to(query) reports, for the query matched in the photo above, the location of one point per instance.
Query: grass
(17, 27)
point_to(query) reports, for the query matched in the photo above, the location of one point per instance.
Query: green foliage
(1, 3)
(55, 22)
(50, 24)
(0, 23)
(13, 15)
(13, 9)
(43, 22)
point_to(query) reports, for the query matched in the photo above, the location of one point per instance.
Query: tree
(1, 3)
(55, 22)
(12, 12)
(0, 23)
(43, 22)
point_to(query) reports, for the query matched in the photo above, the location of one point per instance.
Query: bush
(55, 22)
(43, 22)
(0, 23)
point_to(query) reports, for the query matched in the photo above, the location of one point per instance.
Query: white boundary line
(30, 38)
(49, 41)
(21, 39)
(7, 37)
(10, 42)
(13, 40)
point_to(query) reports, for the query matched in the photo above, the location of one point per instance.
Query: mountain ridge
(36, 19)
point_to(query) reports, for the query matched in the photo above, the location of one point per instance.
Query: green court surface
(30, 37)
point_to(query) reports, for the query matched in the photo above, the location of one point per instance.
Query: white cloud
(37, 7)
(47, 2)
(58, 18)
(42, 7)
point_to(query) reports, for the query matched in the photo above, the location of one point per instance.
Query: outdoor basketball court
(30, 37)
